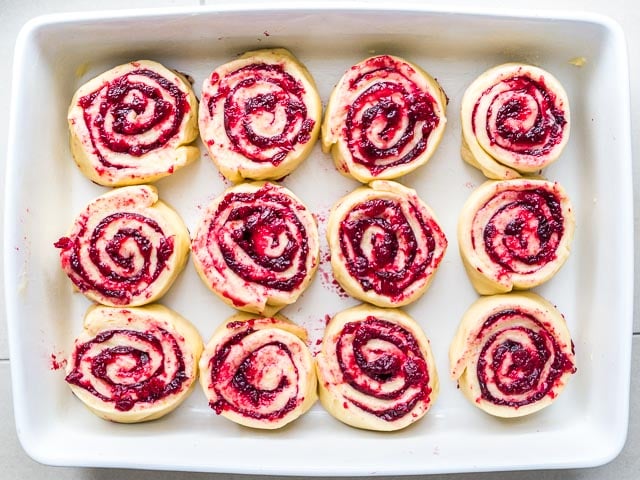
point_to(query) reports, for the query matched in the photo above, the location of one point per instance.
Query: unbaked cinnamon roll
(258, 372)
(133, 124)
(260, 115)
(515, 234)
(384, 119)
(125, 248)
(134, 364)
(386, 244)
(257, 247)
(376, 370)
(512, 354)
(515, 120)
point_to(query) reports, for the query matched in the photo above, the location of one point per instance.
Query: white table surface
(16, 464)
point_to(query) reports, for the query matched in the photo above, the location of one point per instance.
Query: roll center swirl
(134, 114)
(265, 115)
(383, 360)
(520, 361)
(262, 239)
(525, 230)
(380, 246)
(127, 367)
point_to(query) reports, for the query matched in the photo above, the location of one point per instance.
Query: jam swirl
(258, 372)
(125, 248)
(257, 241)
(375, 369)
(525, 230)
(264, 111)
(389, 124)
(264, 228)
(515, 234)
(394, 370)
(386, 114)
(522, 116)
(515, 121)
(133, 114)
(520, 360)
(128, 367)
(120, 258)
(391, 245)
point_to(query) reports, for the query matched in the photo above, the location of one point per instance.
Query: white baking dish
(44, 191)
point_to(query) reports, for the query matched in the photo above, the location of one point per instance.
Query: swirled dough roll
(257, 247)
(376, 370)
(133, 124)
(515, 234)
(385, 243)
(258, 372)
(515, 120)
(384, 119)
(260, 115)
(512, 354)
(134, 364)
(125, 248)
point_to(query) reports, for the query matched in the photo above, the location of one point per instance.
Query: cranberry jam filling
(396, 360)
(242, 393)
(532, 234)
(121, 275)
(287, 94)
(394, 258)
(389, 123)
(263, 226)
(143, 386)
(527, 120)
(517, 369)
(123, 101)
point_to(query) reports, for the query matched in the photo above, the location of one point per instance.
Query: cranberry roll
(260, 115)
(385, 118)
(375, 369)
(133, 124)
(257, 247)
(515, 120)
(126, 248)
(515, 234)
(512, 354)
(133, 364)
(259, 372)
(385, 243)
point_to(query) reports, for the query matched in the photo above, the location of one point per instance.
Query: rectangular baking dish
(44, 192)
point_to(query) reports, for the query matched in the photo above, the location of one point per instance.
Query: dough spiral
(376, 370)
(125, 248)
(133, 124)
(386, 244)
(260, 115)
(134, 364)
(257, 247)
(258, 372)
(512, 354)
(515, 234)
(515, 121)
(384, 119)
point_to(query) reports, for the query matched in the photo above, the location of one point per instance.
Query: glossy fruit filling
(121, 113)
(520, 363)
(265, 115)
(264, 227)
(124, 369)
(117, 263)
(389, 120)
(383, 251)
(254, 385)
(383, 360)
